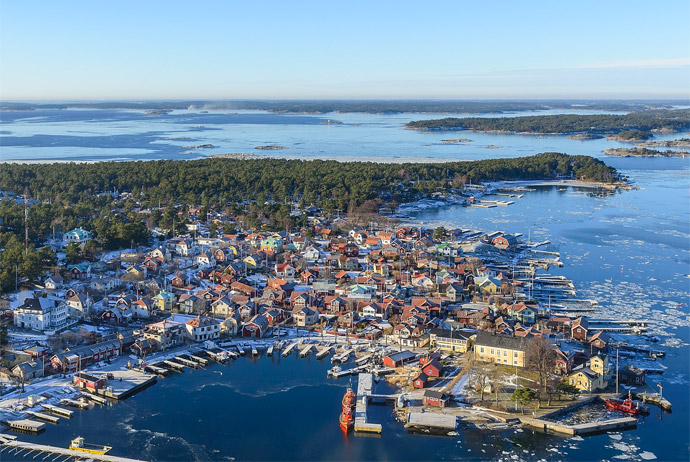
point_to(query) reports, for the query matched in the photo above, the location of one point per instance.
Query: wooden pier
(75, 403)
(173, 365)
(289, 349)
(156, 370)
(589, 428)
(200, 360)
(27, 425)
(654, 398)
(95, 398)
(24, 449)
(344, 372)
(305, 351)
(255, 352)
(323, 353)
(58, 410)
(269, 352)
(48, 418)
(187, 362)
(342, 357)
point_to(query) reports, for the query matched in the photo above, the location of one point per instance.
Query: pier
(48, 418)
(306, 351)
(656, 399)
(344, 372)
(289, 349)
(269, 352)
(94, 398)
(187, 362)
(323, 353)
(588, 428)
(24, 449)
(58, 410)
(364, 387)
(27, 425)
(125, 383)
(342, 357)
(81, 404)
(202, 361)
(173, 365)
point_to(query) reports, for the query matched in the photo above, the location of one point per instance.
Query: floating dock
(306, 350)
(24, 449)
(26, 425)
(58, 410)
(200, 360)
(187, 362)
(255, 352)
(342, 357)
(126, 383)
(289, 349)
(45, 417)
(95, 398)
(173, 365)
(269, 352)
(323, 353)
(75, 403)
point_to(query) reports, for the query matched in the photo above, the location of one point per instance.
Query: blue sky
(331, 50)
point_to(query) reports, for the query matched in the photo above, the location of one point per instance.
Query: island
(642, 152)
(679, 143)
(456, 141)
(663, 120)
(271, 147)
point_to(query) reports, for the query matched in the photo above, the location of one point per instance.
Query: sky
(213, 50)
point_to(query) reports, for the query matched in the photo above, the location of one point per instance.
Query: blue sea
(629, 250)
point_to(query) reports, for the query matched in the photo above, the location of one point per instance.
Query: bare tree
(541, 358)
(481, 376)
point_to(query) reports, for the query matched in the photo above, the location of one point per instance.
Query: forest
(642, 121)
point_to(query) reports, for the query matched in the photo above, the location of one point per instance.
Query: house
(143, 308)
(579, 329)
(271, 244)
(137, 271)
(117, 315)
(487, 285)
(79, 305)
(205, 260)
(285, 270)
(77, 236)
(76, 359)
(420, 381)
(164, 334)
(306, 317)
(505, 241)
(28, 371)
(44, 313)
(523, 313)
(79, 272)
(631, 375)
(449, 341)
(256, 327)
(500, 349)
(191, 304)
(54, 282)
(311, 254)
(590, 376)
(202, 328)
(399, 359)
(164, 301)
(600, 340)
(435, 398)
(88, 381)
(432, 368)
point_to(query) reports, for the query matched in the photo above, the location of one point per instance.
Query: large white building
(77, 235)
(202, 328)
(44, 313)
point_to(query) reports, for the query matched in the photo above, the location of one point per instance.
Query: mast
(26, 221)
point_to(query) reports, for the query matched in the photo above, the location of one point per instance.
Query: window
(516, 355)
(492, 351)
(505, 353)
(481, 349)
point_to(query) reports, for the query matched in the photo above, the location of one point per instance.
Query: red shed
(420, 380)
(432, 368)
(435, 398)
(90, 382)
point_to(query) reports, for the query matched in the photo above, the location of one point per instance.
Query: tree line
(644, 121)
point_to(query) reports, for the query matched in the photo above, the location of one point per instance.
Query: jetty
(186, 362)
(27, 425)
(156, 370)
(323, 353)
(269, 352)
(656, 399)
(588, 428)
(16, 448)
(344, 372)
(255, 352)
(173, 365)
(364, 387)
(342, 357)
(81, 404)
(200, 360)
(125, 383)
(41, 416)
(95, 398)
(305, 351)
(289, 349)
(58, 410)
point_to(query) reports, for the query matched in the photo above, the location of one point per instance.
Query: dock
(45, 417)
(125, 383)
(58, 410)
(24, 449)
(342, 357)
(344, 372)
(187, 362)
(289, 349)
(431, 420)
(588, 428)
(323, 353)
(654, 398)
(81, 404)
(26, 425)
(173, 365)
(255, 352)
(156, 370)
(305, 351)
(269, 352)
(364, 387)
(363, 360)
(198, 359)
(95, 398)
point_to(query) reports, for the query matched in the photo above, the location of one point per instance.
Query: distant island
(637, 125)
(679, 143)
(271, 147)
(642, 152)
(456, 141)
(630, 135)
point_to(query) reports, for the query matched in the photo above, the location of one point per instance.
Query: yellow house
(251, 261)
(591, 377)
(449, 342)
(500, 349)
(487, 285)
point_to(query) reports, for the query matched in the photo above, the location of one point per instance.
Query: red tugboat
(347, 417)
(627, 405)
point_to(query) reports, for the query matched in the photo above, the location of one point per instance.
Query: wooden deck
(24, 449)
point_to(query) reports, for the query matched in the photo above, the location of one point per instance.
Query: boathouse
(398, 359)
(90, 382)
(435, 398)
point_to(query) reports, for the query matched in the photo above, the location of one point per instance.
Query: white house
(306, 317)
(79, 305)
(53, 282)
(45, 313)
(202, 328)
(77, 236)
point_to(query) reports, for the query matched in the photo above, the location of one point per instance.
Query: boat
(347, 417)
(78, 444)
(627, 405)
